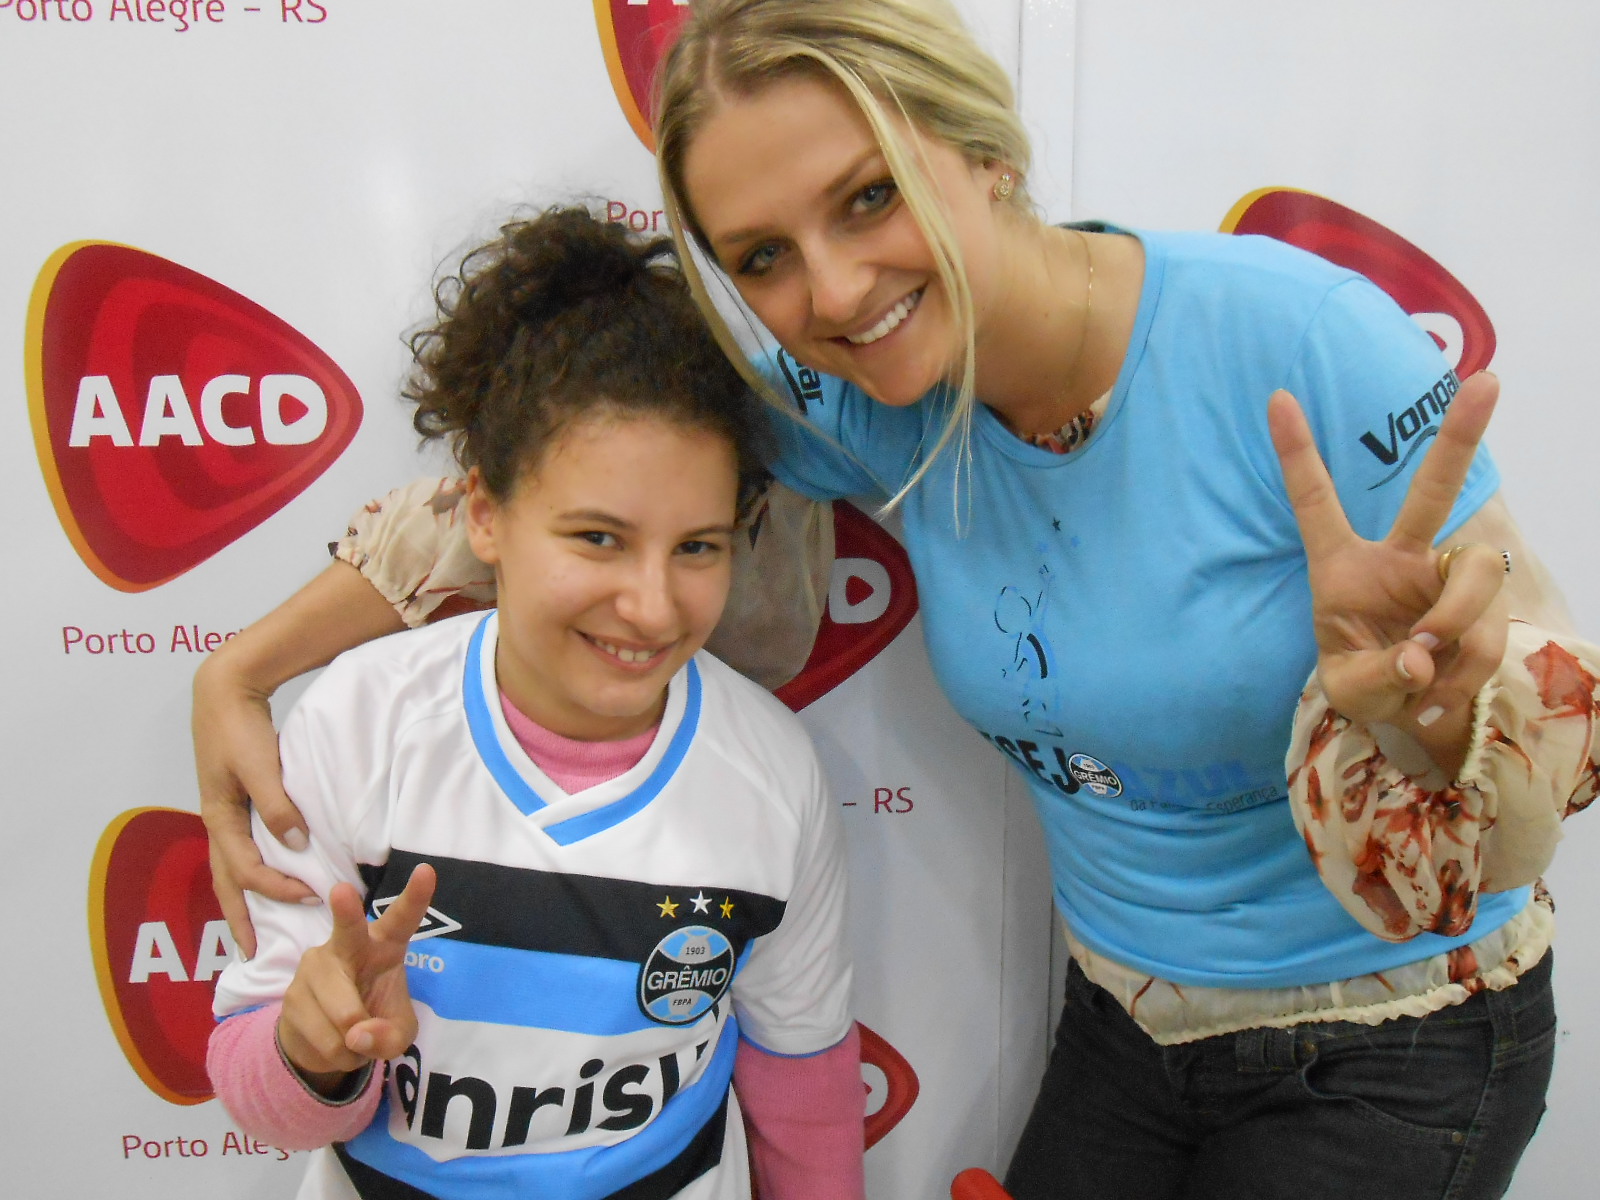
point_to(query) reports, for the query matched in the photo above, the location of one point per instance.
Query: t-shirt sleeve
(1375, 387)
(832, 439)
(793, 995)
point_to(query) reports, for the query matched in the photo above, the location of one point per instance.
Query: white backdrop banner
(220, 218)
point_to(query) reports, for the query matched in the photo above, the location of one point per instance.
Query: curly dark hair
(563, 316)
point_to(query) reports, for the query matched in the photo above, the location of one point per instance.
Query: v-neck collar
(571, 818)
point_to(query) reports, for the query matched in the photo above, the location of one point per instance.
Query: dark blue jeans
(1437, 1108)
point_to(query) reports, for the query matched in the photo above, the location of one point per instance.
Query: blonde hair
(906, 59)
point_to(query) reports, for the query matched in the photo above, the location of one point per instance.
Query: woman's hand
(1395, 644)
(236, 763)
(349, 1003)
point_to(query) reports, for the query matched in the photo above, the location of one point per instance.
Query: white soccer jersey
(589, 960)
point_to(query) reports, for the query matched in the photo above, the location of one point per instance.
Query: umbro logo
(434, 923)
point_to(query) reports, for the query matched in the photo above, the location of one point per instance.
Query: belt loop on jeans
(1507, 1007)
(1261, 1052)
(1265, 1051)
(1250, 1051)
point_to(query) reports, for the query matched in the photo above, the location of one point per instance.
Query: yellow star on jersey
(726, 906)
(668, 908)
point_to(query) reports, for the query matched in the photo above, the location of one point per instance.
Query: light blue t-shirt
(1131, 623)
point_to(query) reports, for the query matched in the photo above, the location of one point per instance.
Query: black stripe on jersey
(375, 1185)
(703, 1152)
(584, 915)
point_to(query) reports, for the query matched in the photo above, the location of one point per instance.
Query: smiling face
(612, 556)
(795, 197)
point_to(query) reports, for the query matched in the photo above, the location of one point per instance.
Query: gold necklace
(1078, 428)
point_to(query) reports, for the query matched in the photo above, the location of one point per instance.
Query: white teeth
(626, 655)
(891, 321)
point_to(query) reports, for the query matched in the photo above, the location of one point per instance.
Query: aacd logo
(636, 35)
(170, 414)
(872, 598)
(159, 943)
(1436, 299)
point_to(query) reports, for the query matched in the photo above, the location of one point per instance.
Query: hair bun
(566, 258)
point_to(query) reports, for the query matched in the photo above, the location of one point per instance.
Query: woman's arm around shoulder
(401, 557)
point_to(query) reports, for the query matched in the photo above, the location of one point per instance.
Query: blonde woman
(1148, 541)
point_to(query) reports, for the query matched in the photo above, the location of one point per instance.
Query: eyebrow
(595, 516)
(839, 184)
(727, 529)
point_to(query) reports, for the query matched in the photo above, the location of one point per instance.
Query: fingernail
(312, 901)
(1400, 666)
(1427, 641)
(362, 1042)
(1429, 716)
(295, 839)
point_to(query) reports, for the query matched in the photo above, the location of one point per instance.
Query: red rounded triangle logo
(635, 35)
(872, 598)
(900, 1085)
(171, 415)
(159, 943)
(1413, 280)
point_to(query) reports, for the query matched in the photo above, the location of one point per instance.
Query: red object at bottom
(977, 1184)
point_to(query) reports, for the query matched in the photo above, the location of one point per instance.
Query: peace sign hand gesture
(1394, 643)
(348, 1003)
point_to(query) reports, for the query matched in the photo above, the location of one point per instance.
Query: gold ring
(1449, 555)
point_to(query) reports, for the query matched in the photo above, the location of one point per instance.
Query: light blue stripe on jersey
(591, 1173)
(492, 984)
(486, 739)
(494, 987)
(577, 828)
(484, 735)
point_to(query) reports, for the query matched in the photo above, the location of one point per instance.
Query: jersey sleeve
(833, 440)
(1374, 388)
(252, 1078)
(793, 995)
(324, 779)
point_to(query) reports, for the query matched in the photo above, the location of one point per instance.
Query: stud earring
(1004, 186)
